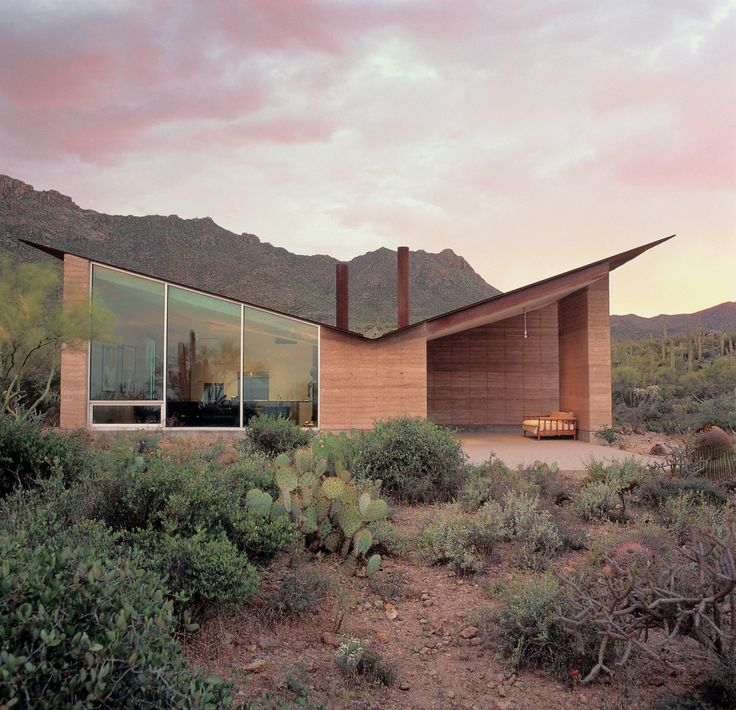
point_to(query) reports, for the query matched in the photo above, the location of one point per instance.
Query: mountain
(200, 253)
(716, 318)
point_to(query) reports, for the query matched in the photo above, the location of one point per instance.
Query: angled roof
(489, 310)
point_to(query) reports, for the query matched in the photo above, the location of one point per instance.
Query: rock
(469, 632)
(268, 642)
(424, 597)
(330, 639)
(427, 602)
(255, 666)
(476, 641)
(403, 685)
(501, 691)
(382, 636)
(391, 611)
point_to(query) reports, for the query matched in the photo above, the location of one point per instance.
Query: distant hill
(716, 318)
(200, 253)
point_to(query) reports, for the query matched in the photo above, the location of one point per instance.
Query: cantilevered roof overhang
(531, 297)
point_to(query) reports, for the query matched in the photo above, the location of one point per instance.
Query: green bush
(199, 570)
(80, 627)
(448, 537)
(276, 435)
(531, 526)
(157, 493)
(598, 501)
(491, 480)
(299, 592)
(355, 658)
(530, 631)
(656, 490)
(30, 453)
(417, 460)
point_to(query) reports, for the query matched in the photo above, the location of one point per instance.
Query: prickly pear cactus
(332, 488)
(373, 564)
(349, 520)
(286, 478)
(362, 541)
(375, 510)
(259, 502)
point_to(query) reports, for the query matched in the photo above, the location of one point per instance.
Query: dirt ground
(423, 623)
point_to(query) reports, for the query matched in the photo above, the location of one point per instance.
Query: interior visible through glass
(280, 366)
(202, 361)
(126, 363)
(126, 414)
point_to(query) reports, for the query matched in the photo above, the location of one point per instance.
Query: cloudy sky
(530, 137)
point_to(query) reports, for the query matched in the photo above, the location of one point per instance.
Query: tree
(33, 326)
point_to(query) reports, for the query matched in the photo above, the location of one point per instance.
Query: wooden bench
(552, 424)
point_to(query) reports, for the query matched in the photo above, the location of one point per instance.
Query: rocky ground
(425, 620)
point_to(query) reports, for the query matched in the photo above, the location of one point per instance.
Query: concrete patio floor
(516, 450)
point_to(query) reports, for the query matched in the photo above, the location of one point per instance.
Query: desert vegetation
(357, 570)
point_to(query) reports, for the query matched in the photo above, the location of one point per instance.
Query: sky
(529, 137)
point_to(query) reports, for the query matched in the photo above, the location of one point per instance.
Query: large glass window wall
(224, 362)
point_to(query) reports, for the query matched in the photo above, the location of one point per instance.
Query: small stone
(469, 632)
(268, 642)
(427, 602)
(255, 666)
(450, 694)
(424, 597)
(330, 639)
(382, 636)
(501, 691)
(391, 611)
(583, 700)
(476, 641)
(403, 685)
(424, 651)
(378, 603)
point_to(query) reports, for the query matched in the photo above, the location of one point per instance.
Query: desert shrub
(80, 627)
(598, 501)
(388, 585)
(355, 658)
(299, 592)
(608, 434)
(532, 527)
(276, 435)
(488, 526)
(529, 631)
(658, 488)
(387, 538)
(155, 493)
(623, 473)
(491, 480)
(417, 460)
(339, 450)
(199, 570)
(30, 453)
(605, 540)
(447, 537)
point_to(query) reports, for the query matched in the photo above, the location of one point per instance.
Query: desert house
(176, 357)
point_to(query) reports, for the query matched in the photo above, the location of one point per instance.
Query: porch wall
(585, 357)
(73, 400)
(362, 381)
(492, 375)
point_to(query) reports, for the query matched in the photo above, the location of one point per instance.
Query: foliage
(529, 630)
(695, 378)
(416, 460)
(598, 501)
(387, 538)
(200, 569)
(448, 537)
(606, 488)
(532, 527)
(82, 627)
(491, 480)
(355, 658)
(657, 489)
(29, 453)
(608, 434)
(33, 325)
(299, 592)
(276, 435)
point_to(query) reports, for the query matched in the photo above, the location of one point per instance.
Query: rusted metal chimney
(341, 296)
(402, 290)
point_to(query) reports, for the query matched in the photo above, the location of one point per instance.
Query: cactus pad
(373, 565)
(363, 502)
(362, 542)
(259, 502)
(320, 468)
(333, 488)
(349, 520)
(309, 520)
(286, 478)
(332, 541)
(375, 510)
(325, 528)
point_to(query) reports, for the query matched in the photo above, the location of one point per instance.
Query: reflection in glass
(280, 367)
(126, 414)
(128, 364)
(202, 360)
